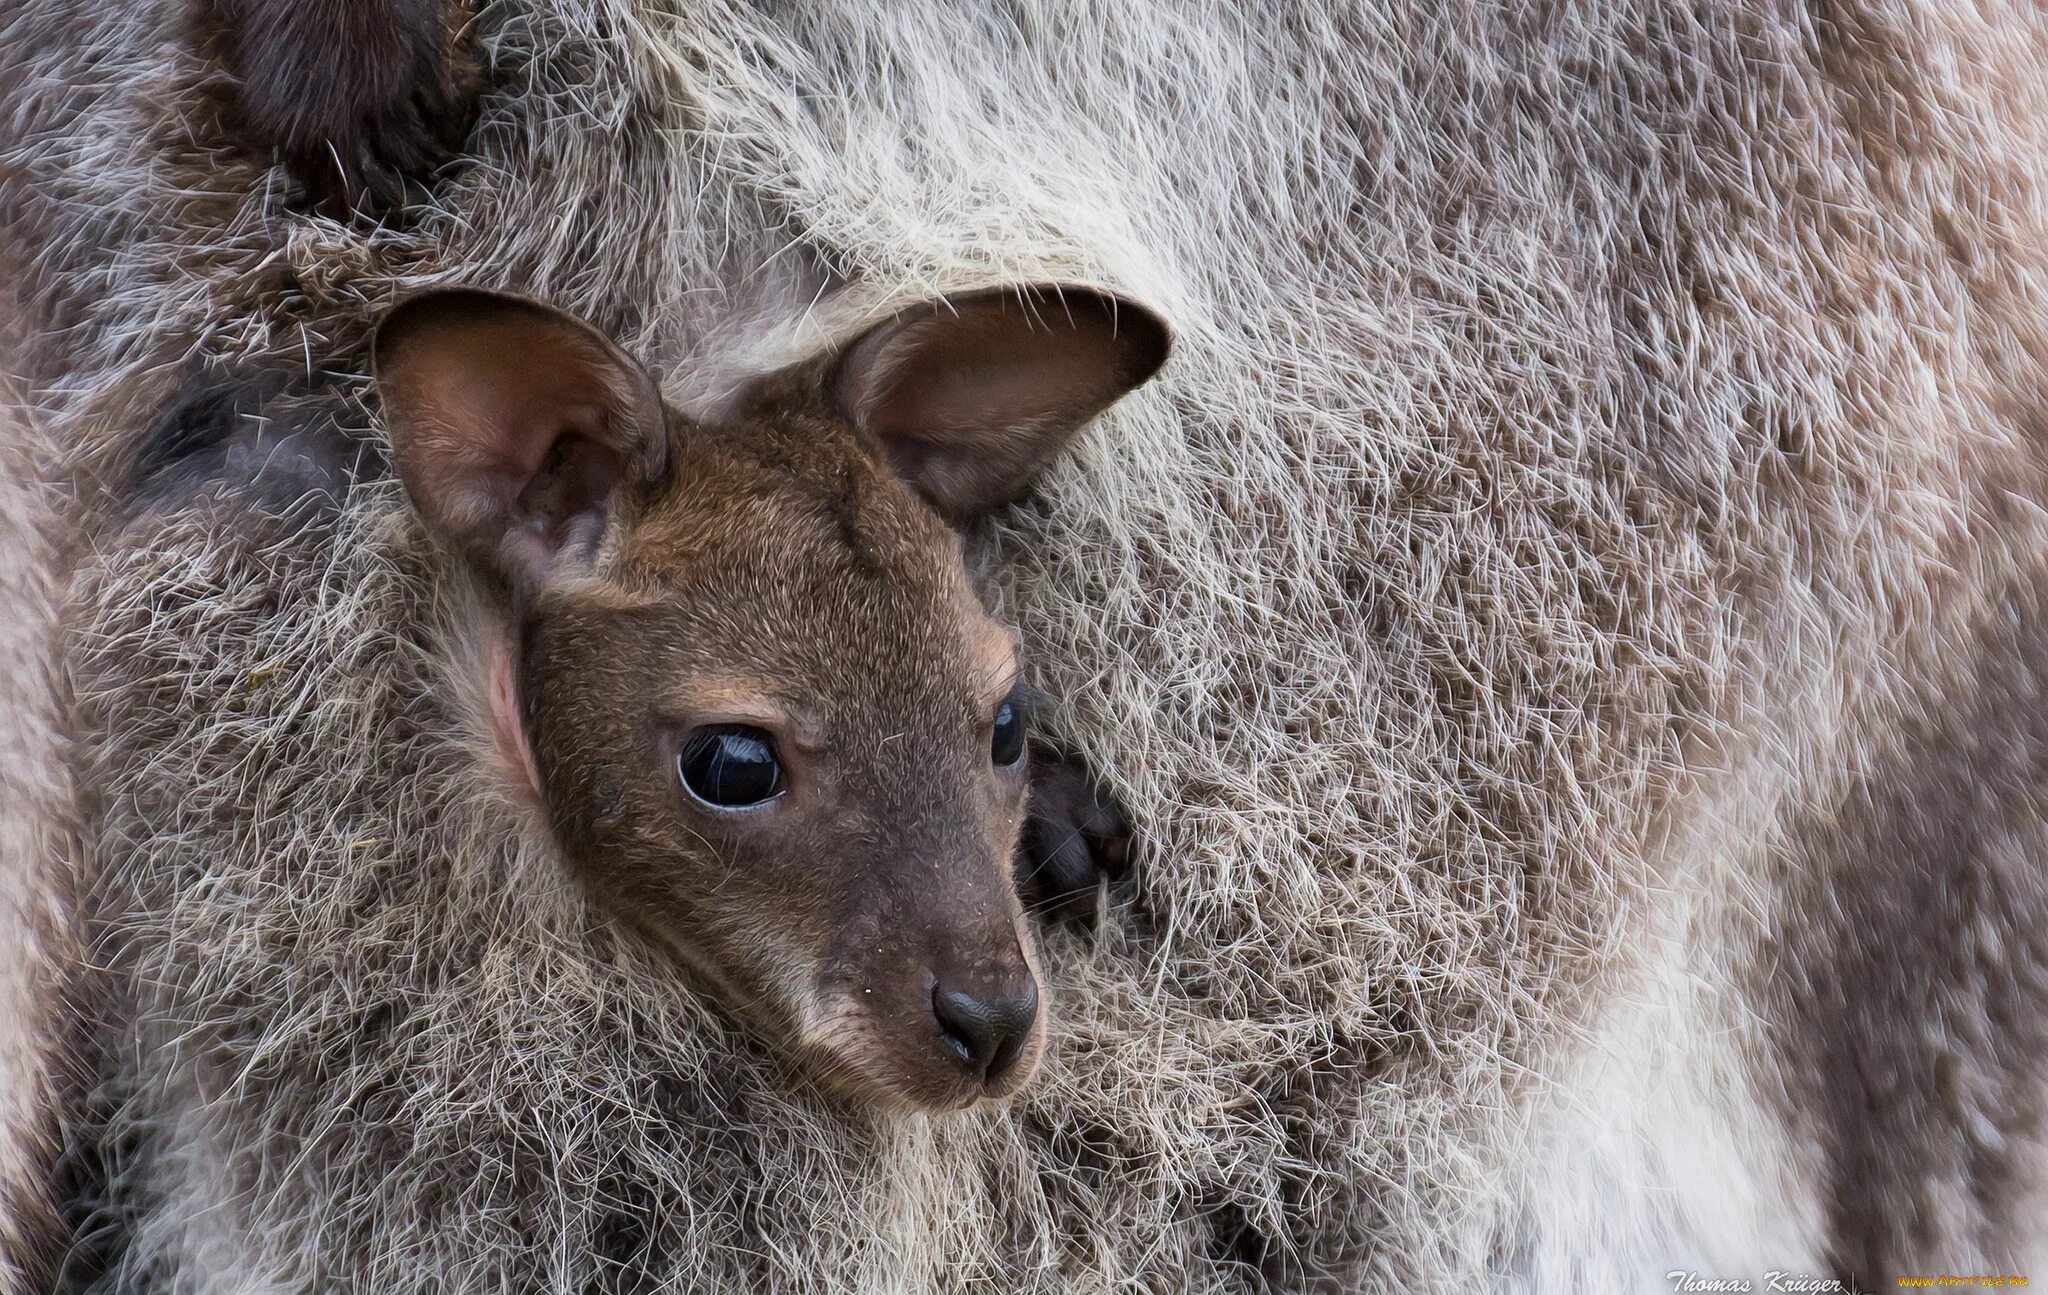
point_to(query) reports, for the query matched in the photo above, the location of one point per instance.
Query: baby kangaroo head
(772, 725)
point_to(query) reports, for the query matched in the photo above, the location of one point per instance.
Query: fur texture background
(1547, 623)
(38, 839)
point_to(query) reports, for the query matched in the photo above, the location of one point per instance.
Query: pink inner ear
(574, 478)
(513, 426)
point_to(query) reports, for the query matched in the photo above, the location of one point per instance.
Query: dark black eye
(730, 767)
(1006, 746)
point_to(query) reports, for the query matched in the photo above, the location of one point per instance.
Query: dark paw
(363, 100)
(1075, 837)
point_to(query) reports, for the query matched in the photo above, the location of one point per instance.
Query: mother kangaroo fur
(1568, 627)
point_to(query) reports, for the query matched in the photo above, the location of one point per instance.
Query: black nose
(986, 1033)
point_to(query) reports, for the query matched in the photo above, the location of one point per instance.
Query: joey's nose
(986, 1031)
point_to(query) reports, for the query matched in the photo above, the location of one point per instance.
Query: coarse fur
(1565, 628)
(38, 837)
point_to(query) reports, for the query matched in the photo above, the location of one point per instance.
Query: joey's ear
(973, 395)
(513, 426)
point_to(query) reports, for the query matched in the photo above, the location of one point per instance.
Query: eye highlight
(730, 767)
(1006, 743)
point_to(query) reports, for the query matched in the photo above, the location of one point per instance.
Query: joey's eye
(730, 767)
(1006, 745)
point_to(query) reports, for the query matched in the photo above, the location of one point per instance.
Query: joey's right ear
(972, 395)
(513, 426)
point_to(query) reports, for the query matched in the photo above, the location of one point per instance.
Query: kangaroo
(1568, 627)
(742, 668)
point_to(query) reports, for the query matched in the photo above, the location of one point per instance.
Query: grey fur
(1594, 431)
(38, 835)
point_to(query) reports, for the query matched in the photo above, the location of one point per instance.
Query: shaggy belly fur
(1566, 623)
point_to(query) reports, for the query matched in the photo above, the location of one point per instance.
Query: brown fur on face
(788, 569)
(886, 862)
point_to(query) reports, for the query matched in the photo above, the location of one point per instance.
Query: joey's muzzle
(948, 1013)
(986, 1024)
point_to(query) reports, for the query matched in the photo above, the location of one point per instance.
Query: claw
(1076, 837)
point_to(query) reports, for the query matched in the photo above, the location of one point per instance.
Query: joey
(770, 723)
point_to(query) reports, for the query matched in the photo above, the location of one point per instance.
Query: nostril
(1016, 1016)
(957, 1019)
(986, 1033)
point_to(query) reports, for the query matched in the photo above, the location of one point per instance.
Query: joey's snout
(986, 1026)
(942, 1005)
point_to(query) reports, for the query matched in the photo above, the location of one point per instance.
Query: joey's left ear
(973, 395)
(514, 426)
